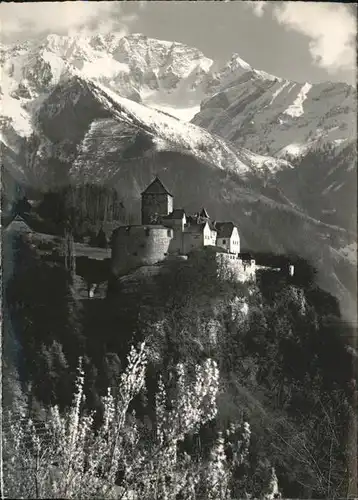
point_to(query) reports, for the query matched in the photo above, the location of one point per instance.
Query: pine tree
(70, 253)
(101, 239)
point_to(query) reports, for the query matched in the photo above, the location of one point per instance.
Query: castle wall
(155, 204)
(135, 246)
(232, 265)
(192, 241)
(176, 245)
(176, 224)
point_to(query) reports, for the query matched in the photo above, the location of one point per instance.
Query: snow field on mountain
(173, 131)
(296, 108)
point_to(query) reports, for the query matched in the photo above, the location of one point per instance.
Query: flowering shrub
(69, 457)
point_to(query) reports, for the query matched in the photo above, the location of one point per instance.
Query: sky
(301, 41)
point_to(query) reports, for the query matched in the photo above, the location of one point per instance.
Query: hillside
(69, 117)
(271, 341)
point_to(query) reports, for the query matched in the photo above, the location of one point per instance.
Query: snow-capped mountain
(165, 74)
(246, 106)
(266, 115)
(312, 125)
(79, 116)
(279, 117)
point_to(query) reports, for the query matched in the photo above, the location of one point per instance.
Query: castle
(168, 232)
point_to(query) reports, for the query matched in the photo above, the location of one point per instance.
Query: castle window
(147, 232)
(135, 254)
(169, 233)
(224, 241)
(142, 245)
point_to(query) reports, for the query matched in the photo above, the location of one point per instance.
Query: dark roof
(156, 187)
(195, 227)
(204, 214)
(224, 229)
(18, 224)
(177, 213)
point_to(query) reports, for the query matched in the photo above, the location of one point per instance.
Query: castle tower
(156, 202)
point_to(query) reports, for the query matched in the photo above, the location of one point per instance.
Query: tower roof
(156, 187)
(18, 224)
(204, 214)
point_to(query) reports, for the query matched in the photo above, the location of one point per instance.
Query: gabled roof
(18, 224)
(156, 187)
(204, 214)
(224, 229)
(177, 213)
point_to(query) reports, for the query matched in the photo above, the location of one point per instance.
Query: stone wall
(155, 204)
(232, 265)
(134, 246)
(192, 241)
(177, 244)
